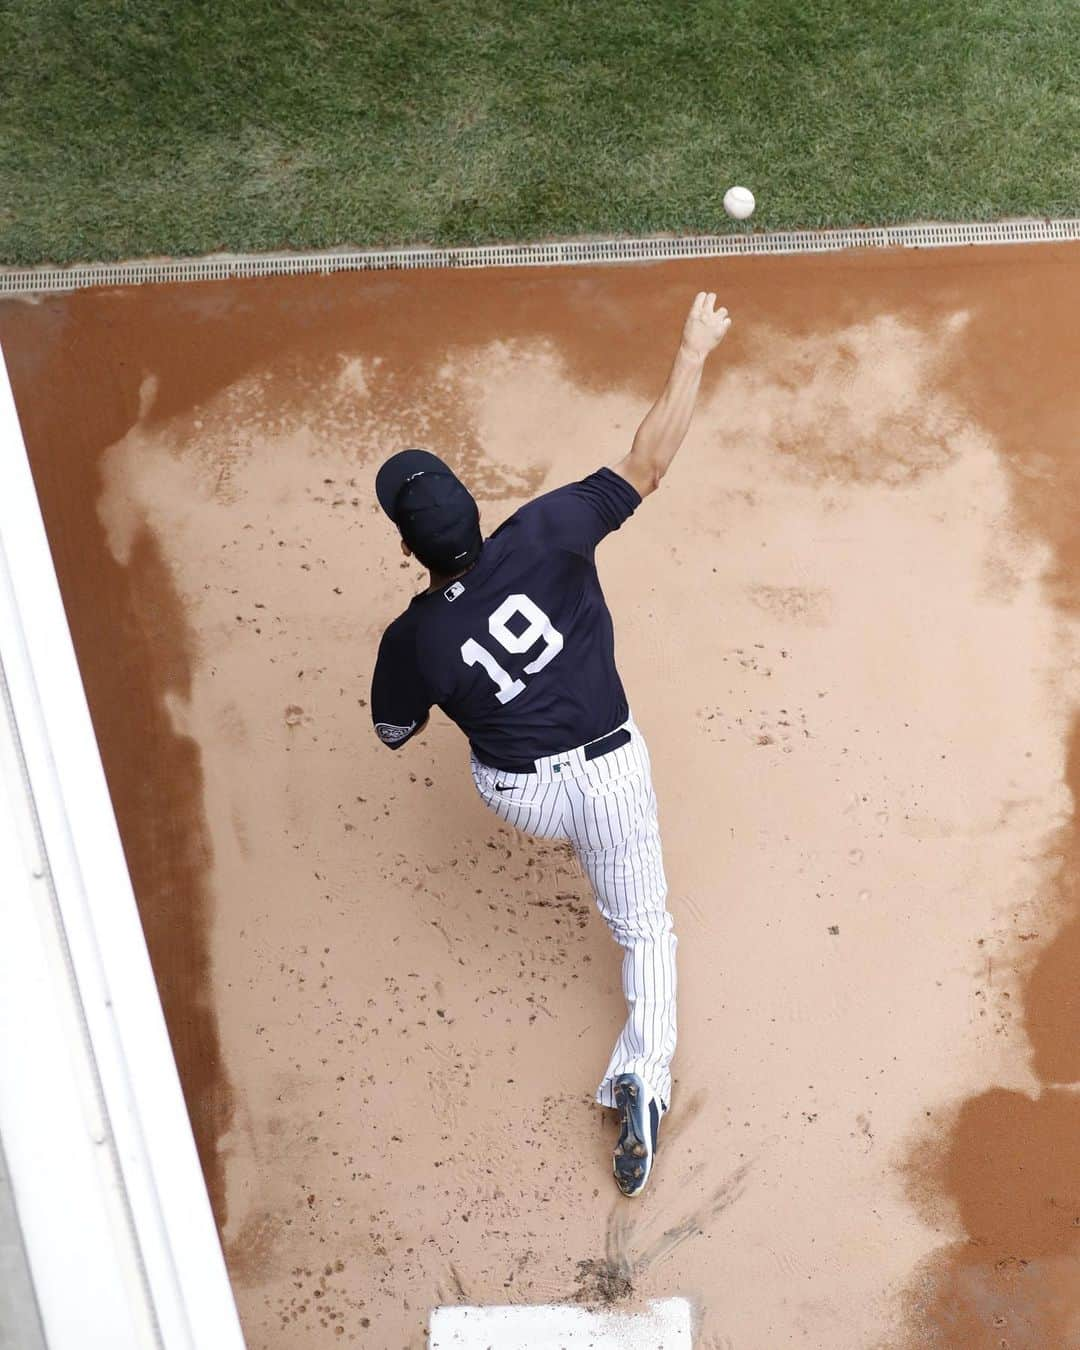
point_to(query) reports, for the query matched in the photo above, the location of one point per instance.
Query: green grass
(138, 127)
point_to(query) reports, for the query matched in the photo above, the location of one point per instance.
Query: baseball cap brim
(398, 470)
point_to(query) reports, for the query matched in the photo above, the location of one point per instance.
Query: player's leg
(617, 835)
(631, 893)
(609, 814)
(608, 811)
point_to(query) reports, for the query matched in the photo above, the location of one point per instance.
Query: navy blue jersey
(520, 651)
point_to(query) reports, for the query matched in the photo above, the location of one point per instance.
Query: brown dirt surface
(848, 627)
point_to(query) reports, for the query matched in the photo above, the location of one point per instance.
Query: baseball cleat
(638, 1135)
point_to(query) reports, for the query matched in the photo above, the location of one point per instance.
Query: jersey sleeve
(400, 700)
(578, 516)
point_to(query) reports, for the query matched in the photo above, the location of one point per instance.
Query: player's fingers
(710, 301)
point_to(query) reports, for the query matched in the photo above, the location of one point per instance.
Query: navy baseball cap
(434, 510)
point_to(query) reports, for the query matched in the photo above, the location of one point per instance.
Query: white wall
(113, 1209)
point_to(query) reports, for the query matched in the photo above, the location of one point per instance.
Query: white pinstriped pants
(606, 808)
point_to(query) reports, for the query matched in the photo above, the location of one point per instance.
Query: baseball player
(513, 641)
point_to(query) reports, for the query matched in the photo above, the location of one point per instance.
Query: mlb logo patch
(452, 592)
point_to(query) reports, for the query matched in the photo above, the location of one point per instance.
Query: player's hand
(705, 325)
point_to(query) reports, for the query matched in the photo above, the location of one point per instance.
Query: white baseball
(739, 202)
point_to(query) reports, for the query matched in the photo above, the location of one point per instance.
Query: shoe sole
(632, 1159)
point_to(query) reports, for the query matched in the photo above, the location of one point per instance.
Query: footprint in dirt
(612, 1279)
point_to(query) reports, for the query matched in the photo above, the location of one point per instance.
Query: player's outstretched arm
(666, 423)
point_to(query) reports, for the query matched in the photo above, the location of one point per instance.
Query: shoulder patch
(390, 733)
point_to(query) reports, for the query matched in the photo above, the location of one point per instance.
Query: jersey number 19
(538, 626)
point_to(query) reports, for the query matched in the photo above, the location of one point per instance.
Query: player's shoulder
(577, 514)
(604, 484)
(433, 612)
(400, 635)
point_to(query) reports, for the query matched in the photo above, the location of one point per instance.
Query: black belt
(604, 746)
